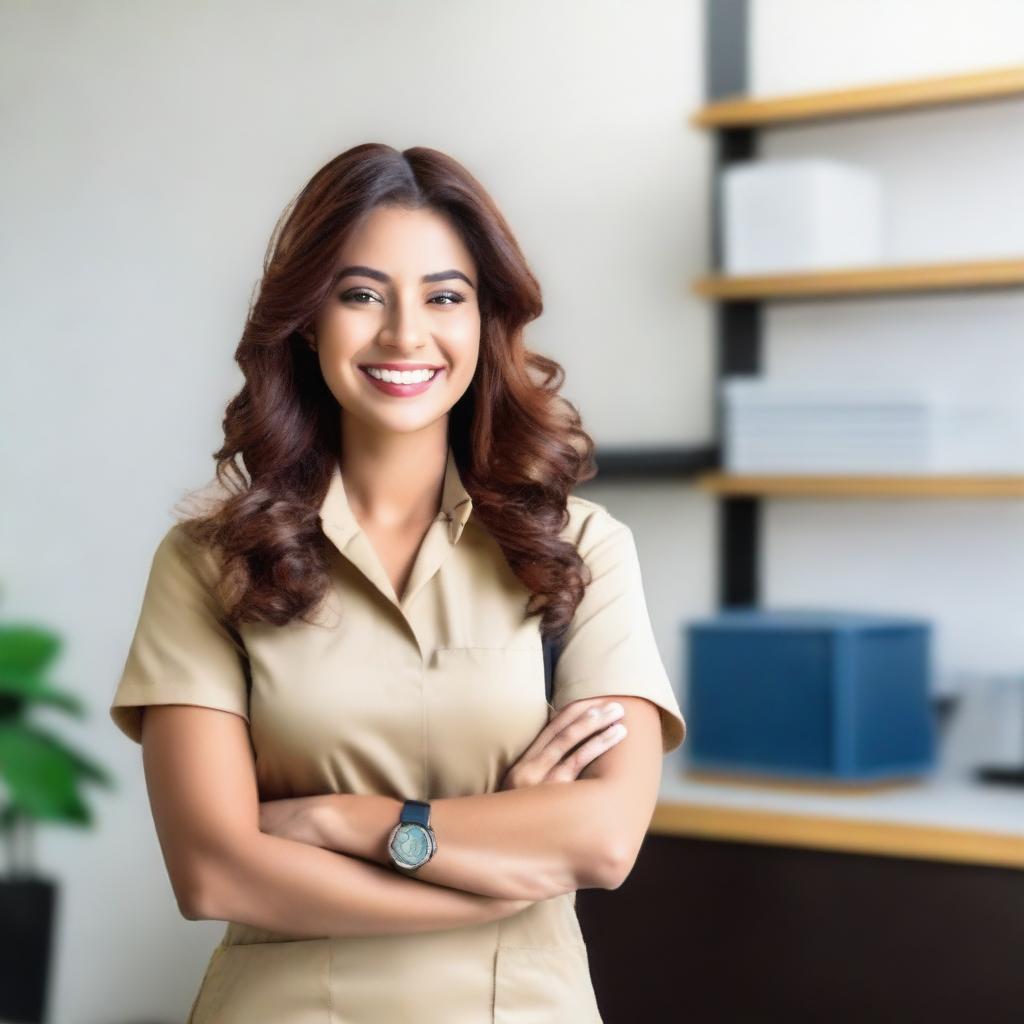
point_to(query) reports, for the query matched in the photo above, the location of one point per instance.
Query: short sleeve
(182, 651)
(609, 647)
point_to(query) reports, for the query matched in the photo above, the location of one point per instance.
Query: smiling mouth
(400, 374)
(391, 382)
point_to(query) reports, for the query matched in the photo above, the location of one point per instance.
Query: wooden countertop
(945, 816)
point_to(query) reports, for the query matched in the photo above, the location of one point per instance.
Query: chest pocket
(482, 706)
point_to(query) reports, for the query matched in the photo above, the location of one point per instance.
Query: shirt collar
(340, 522)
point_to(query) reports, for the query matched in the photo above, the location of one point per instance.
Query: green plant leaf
(29, 688)
(28, 648)
(86, 768)
(42, 776)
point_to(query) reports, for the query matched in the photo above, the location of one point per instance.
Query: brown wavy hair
(519, 446)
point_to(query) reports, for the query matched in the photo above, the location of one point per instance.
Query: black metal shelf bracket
(738, 325)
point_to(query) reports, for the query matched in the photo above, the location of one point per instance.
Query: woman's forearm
(532, 843)
(307, 892)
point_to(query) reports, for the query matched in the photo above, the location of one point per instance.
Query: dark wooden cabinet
(711, 932)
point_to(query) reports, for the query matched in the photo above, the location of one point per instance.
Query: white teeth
(401, 376)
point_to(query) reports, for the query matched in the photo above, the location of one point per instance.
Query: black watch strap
(416, 811)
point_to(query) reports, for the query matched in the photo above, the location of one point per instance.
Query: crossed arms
(325, 874)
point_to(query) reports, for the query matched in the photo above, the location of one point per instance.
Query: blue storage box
(810, 694)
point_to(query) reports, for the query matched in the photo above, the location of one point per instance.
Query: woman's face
(382, 314)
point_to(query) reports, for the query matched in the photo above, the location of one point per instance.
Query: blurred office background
(150, 148)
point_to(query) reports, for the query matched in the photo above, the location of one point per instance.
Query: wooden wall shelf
(875, 486)
(945, 90)
(1002, 273)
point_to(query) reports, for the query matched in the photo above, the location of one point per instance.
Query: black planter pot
(27, 907)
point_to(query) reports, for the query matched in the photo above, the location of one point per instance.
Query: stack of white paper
(771, 427)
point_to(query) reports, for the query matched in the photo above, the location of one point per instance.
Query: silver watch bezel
(431, 840)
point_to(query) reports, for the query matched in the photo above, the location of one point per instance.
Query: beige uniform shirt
(426, 697)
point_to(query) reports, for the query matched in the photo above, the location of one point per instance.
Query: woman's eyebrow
(379, 275)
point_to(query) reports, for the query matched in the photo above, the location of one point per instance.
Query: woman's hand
(577, 735)
(292, 818)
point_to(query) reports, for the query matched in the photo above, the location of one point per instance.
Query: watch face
(411, 845)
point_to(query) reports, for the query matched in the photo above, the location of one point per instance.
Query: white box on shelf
(780, 216)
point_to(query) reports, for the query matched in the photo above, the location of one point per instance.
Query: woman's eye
(355, 295)
(454, 297)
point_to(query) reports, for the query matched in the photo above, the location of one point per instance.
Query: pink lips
(400, 390)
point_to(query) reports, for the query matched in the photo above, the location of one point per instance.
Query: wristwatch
(412, 841)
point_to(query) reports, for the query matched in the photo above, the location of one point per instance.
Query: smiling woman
(405, 336)
(349, 638)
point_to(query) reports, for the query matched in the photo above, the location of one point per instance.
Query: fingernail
(610, 709)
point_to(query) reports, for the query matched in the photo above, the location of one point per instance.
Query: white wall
(149, 149)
